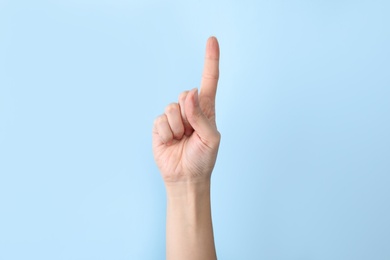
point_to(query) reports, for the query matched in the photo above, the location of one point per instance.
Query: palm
(184, 158)
(179, 160)
(192, 155)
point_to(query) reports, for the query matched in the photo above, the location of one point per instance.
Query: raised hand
(185, 137)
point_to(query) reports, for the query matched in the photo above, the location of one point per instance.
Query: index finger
(210, 70)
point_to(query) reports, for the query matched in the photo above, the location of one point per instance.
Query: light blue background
(303, 107)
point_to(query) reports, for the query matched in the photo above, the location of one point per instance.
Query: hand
(185, 137)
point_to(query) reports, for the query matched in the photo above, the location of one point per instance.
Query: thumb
(199, 122)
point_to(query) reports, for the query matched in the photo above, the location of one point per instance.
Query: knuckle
(216, 139)
(213, 76)
(171, 108)
(157, 120)
(161, 120)
(218, 136)
(183, 96)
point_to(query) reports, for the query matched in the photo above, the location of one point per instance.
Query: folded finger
(187, 127)
(163, 129)
(172, 111)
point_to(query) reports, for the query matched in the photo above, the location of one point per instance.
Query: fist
(185, 136)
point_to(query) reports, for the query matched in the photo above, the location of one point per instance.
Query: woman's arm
(189, 227)
(185, 147)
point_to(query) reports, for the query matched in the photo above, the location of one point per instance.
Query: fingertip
(178, 134)
(188, 132)
(163, 129)
(167, 140)
(212, 40)
(212, 48)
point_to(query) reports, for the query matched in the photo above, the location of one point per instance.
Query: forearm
(189, 224)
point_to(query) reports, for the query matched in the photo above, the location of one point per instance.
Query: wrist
(188, 190)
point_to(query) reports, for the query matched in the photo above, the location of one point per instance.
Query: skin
(185, 147)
